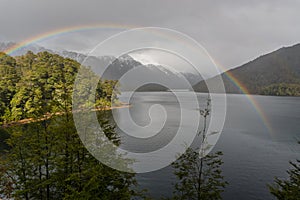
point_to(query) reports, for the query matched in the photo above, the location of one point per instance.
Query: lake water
(253, 155)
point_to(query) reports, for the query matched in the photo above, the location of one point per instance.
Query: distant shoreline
(217, 93)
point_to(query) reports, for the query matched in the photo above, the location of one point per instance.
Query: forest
(44, 159)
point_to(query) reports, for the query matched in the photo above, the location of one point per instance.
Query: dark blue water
(253, 155)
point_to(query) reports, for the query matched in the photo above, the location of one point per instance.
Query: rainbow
(79, 28)
(62, 31)
(251, 99)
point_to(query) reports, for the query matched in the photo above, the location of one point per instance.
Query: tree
(53, 163)
(199, 176)
(288, 189)
(46, 159)
(8, 79)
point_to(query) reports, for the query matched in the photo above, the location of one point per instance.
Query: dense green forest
(45, 159)
(33, 85)
(282, 90)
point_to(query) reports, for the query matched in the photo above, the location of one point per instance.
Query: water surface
(253, 155)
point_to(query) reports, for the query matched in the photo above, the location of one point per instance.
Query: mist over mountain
(113, 68)
(276, 73)
(133, 74)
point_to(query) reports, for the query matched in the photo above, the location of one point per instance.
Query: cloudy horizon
(232, 32)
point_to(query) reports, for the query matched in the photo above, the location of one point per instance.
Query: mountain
(276, 73)
(139, 73)
(118, 67)
(23, 49)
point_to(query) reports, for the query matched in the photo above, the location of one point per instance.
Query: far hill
(276, 73)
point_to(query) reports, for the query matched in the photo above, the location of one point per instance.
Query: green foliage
(282, 90)
(45, 159)
(288, 189)
(106, 93)
(33, 85)
(4, 135)
(199, 175)
(198, 178)
(8, 80)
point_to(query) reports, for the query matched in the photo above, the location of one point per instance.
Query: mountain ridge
(117, 67)
(269, 74)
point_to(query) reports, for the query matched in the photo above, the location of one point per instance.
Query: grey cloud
(232, 31)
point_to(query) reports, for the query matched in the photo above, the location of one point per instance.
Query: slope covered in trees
(33, 85)
(45, 159)
(267, 75)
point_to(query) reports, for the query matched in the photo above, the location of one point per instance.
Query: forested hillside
(33, 85)
(271, 74)
(45, 159)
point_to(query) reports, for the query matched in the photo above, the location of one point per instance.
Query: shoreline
(48, 116)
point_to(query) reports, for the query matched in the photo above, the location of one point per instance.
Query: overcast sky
(233, 32)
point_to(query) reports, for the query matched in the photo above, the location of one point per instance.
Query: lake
(253, 153)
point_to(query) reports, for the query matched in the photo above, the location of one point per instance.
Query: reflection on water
(252, 154)
(143, 114)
